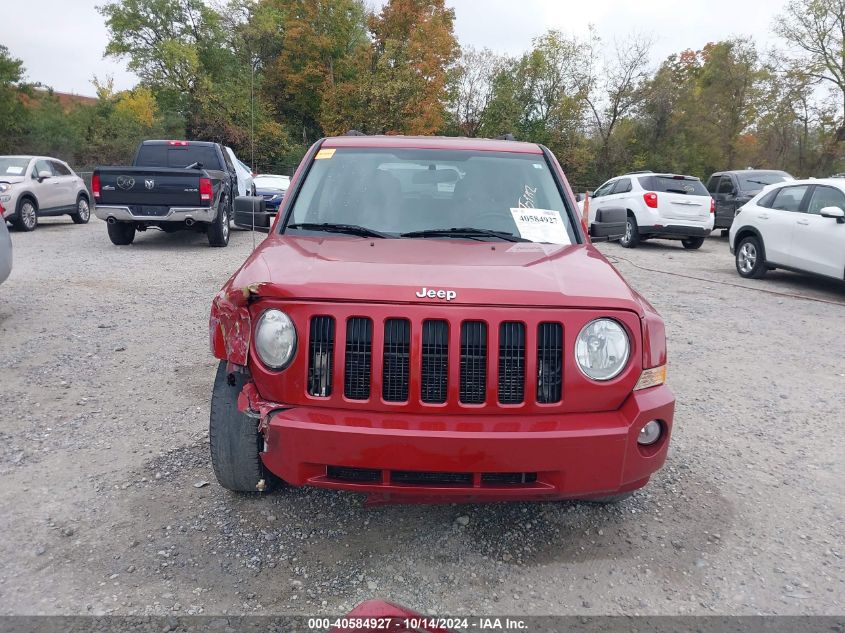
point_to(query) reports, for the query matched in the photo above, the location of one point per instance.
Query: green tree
(13, 115)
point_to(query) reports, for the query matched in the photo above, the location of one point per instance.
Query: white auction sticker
(540, 225)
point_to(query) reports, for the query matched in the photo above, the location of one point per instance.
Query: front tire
(121, 233)
(632, 233)
(234, 437)
(218, 231)
(27, 218)
(83, 211)
(750, 262)
(692, 243)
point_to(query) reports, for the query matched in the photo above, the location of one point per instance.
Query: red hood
(393, 271)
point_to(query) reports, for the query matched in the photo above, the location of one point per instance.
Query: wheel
(632, 233)
(121, 233)
(218, 231)
(750, 262)
(83, 211)
(234, 437)
(692, 243)
(27, 218)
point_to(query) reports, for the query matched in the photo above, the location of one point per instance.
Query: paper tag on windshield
(541, 225)
(14, 169)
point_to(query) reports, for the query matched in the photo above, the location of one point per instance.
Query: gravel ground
(108, 503)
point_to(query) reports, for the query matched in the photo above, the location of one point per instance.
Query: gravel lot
(104, 453)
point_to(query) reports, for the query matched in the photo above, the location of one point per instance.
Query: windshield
(425, 192)
(755, 182)
(271, 182)
(13, 165)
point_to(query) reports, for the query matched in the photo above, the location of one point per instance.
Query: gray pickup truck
(172, 186)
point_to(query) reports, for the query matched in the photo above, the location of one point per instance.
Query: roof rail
(644, 171)
(354, 133)
(506, 137)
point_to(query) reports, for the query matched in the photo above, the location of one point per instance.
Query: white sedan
(795, 225)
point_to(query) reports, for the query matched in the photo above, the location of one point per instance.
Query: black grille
(473, 362)
(549, 362)
(435, 361)
(421, 478)
(359, 358)
(321, 356)
(343, 473)
(397, 347)
(509, 479)
(511, 362)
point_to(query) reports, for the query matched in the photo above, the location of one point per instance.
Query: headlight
(4, 186)
(275, 339)
(602, 349)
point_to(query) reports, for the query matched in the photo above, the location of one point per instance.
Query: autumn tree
(401, 78)
(306, 48)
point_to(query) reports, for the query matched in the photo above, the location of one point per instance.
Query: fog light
(650, 433)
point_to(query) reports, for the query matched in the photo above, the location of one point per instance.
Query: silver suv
(33, 186)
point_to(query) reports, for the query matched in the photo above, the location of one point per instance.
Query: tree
(616, 90)
(13, 115)
(540, 97)
(306, 48)
(816, 28)
(400, 80)
(472, 89)
(176, 47)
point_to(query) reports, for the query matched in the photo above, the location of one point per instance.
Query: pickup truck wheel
(218, 231)
(121, 233)
(27, 218)
(750, 262)
(234, 437)
(632, 233)
(692, 243)
(83, 211)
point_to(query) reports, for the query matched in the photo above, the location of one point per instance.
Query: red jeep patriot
(428, 321)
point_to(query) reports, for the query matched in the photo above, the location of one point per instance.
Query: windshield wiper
(683, 191)
(759, 182)
(466, 231)
(328, 227)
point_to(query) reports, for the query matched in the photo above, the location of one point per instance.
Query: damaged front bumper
(447, 458)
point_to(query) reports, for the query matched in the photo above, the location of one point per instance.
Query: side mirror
(251, 212)
(609, 225)
(833, 212)
(44, 175)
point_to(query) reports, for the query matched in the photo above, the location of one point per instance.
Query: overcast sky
(61, 42)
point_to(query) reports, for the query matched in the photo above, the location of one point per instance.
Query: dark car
(171, 186)
(272, 188)
(732, 189)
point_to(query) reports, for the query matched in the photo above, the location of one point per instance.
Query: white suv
(666, 206)
(796, 225)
